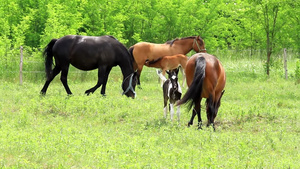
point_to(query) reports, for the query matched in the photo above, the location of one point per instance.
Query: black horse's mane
(170, 42)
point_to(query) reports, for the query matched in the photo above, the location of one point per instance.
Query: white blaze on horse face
(173, 77)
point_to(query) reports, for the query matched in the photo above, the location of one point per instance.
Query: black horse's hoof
(88, 92)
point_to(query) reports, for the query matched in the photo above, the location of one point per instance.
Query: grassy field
(257, 125)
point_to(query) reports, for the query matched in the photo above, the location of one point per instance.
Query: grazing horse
(171, 92)
(144, 51)
(169, 63)
(205, 77)
(89, 53)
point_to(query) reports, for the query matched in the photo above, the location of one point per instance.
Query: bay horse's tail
(193, 94)
(49, 57)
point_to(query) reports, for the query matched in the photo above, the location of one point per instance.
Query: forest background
(253, 25)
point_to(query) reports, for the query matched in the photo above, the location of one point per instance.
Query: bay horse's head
(198, 45)
(129, 84)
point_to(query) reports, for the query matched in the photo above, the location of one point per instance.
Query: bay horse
(89, 53)
(205, 77)
(171, 92)
(144, 51)
(169, 63)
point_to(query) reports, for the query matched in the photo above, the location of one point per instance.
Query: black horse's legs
(108, 69)
(101, 71)
(64, 78)
(55, 71)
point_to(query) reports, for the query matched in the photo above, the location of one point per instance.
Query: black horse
(89, 53)
(171, 92)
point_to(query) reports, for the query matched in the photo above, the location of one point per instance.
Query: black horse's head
(129, 84)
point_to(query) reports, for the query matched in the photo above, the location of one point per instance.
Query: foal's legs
(165, 103)
(55, 72)
(171, 111)
(178, 113)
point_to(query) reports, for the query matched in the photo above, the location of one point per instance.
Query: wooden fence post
(285, 63)
(21, 65)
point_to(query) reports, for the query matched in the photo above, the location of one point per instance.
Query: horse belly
(83, 65)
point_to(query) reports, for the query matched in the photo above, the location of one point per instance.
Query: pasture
(257, 125)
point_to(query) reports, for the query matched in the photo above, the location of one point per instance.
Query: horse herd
(205, 76)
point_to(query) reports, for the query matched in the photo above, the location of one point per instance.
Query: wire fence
(28, 64)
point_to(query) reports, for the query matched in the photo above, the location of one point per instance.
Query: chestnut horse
(144, 51)
(205, 77)
(169, 63)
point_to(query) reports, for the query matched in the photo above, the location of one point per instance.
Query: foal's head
(173, 77)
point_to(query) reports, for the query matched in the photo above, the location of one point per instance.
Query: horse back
(215, 79)
(88, 52)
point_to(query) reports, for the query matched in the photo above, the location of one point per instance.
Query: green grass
(257, 125)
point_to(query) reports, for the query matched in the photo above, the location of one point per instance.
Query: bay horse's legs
(108, 69)
(196, 110)
(210, 111)
(214, 107)
(63, 78)
(101, 71)
(55, 72)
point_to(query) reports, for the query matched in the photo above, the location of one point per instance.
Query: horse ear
(177, 70)
(168, 72)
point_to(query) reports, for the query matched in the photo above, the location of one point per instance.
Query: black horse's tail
(49, 57)
(193, 94)
(130, 50)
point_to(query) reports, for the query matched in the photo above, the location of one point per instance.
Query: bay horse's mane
(189, 37)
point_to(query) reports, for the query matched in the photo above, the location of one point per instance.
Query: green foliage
(233, 24)
(297, 71)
